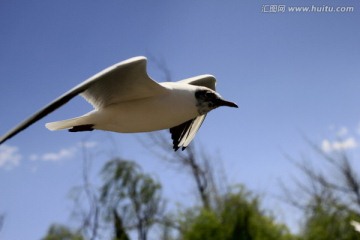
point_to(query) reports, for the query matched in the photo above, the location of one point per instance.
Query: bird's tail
(68, 123)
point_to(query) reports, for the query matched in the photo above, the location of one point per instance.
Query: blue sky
(292, 74)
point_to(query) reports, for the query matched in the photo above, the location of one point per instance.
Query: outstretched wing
(184, 133)
(207, 80)
(124, 81)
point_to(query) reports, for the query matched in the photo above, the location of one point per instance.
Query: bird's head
(208, 100)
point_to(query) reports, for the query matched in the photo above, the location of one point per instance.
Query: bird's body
(140, 115)
(126, 100)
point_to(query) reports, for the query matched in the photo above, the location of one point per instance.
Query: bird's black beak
(222, 102)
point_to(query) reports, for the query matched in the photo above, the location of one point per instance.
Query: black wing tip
(82, 128)
(176, 147)
(182, 131)
(178, 133)
(175, 141)
(10, 134)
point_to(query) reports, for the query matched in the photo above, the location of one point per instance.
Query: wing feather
(207, 80)
(124, 81)
(184, 133)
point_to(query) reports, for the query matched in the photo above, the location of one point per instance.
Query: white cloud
(54, 156)
(341, 145)
(9, 156)
(57, 156)
(62, 154)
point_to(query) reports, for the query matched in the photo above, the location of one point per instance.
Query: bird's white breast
(149, 114)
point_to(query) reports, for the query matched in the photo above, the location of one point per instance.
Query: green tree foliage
(239, 217)
(130, 200)
(330, 222)
(131, 196)
(120, 233)
(328, 196)
(60, 232)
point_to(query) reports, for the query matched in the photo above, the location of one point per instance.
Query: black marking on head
(206, 100)
(205, 94)
(82, 128)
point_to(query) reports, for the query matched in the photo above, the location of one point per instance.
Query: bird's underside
(142, 115)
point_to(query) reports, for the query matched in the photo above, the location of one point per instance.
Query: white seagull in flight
(127, 100)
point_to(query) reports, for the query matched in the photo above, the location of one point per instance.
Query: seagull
(126, 100)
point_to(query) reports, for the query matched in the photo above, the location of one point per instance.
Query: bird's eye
(209, 95)
(205, 94)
